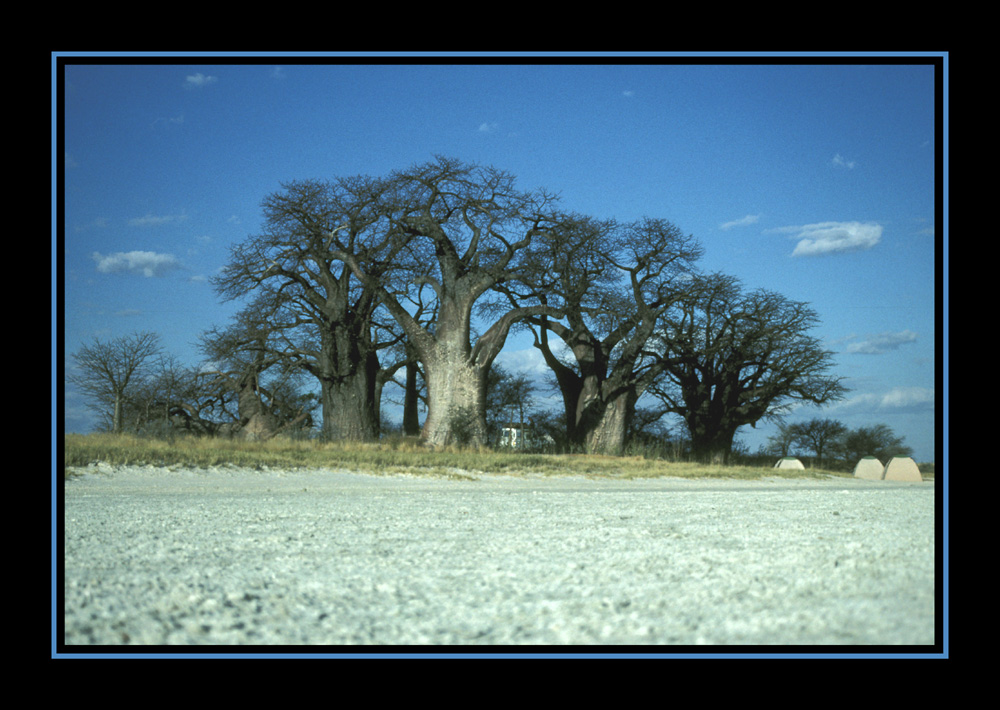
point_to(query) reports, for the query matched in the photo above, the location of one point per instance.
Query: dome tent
(789, 462)
(869, 467)
(901, 468)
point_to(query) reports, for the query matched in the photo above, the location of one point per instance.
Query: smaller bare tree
(247, 360)
(821, 436)
(108, 372)
(878, 440)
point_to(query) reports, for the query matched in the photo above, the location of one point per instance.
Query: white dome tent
(870, 468)
(789, 462)
(901, 468)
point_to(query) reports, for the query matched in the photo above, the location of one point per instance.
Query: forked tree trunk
(597, 416)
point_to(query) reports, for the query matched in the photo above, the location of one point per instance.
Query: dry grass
(391, 456)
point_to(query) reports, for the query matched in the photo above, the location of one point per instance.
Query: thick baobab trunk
(349, 403)
(456, 394)
(348, 411)
(457, 374)
(709, 422)
(711, 443)
(607, 435)
(348, 375)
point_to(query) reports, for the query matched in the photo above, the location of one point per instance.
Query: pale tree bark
(608, 434)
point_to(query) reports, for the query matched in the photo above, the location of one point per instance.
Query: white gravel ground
(222, 557)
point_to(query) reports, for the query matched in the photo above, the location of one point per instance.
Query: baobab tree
(464, 227)
(290, 270)
(613, 282)
(731, 358)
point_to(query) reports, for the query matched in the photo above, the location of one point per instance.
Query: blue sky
(816, 181)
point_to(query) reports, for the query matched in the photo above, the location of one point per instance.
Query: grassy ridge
(392, 456)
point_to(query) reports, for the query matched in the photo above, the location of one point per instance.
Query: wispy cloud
(742, 222)
(147, 263)
(199, 80)
(833, 237)
(96, 223)
(152, 220)
(842, 162)
(882, 343)
(169, 121)
(896, 399)
(487, 127)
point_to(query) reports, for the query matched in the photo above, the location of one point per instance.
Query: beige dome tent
(869, 467)
(901, 468)
(789, 462)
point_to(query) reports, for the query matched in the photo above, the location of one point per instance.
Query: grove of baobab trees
(426, 271)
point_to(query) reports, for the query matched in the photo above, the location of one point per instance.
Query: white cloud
(842, 162)
(487, 127)
(907, 398)
(834, 237)
(530, 361)
(197, 81)
(526, 362)
(882, 342)
(742, 222)
(147, 263)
